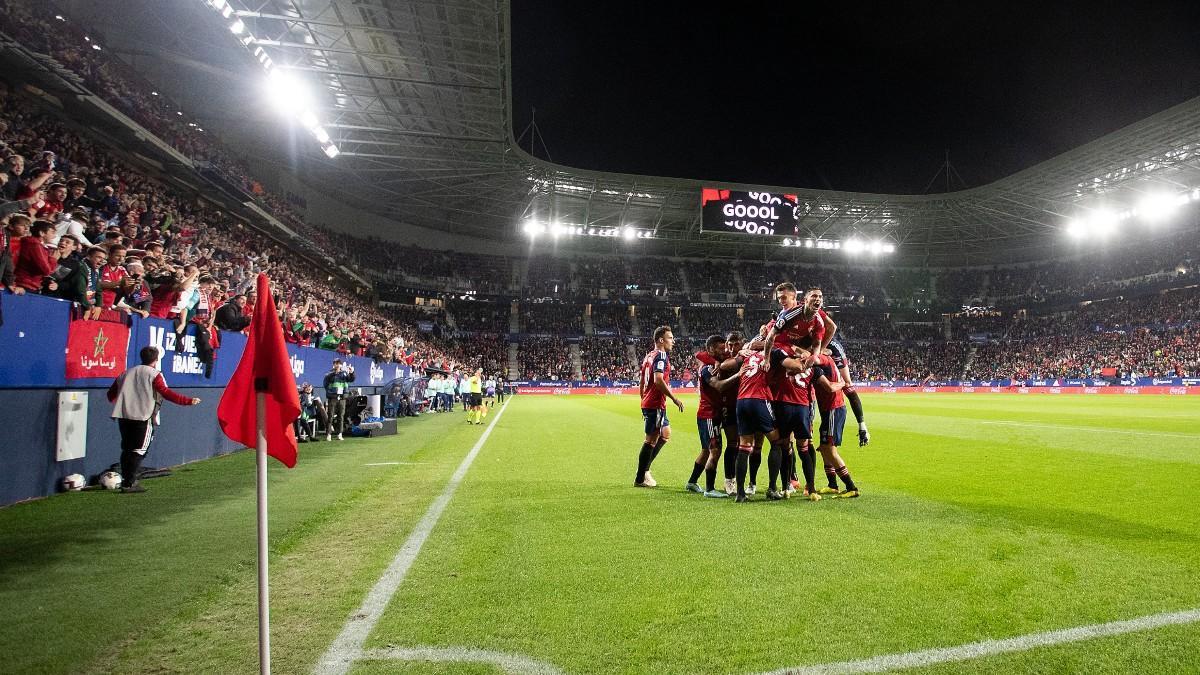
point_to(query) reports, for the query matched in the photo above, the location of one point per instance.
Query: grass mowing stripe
(348, 645)
(1104, 430)
(977, 650)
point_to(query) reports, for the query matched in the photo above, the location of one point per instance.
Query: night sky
(850, 96)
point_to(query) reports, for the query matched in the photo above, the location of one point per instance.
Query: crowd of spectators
(474, 316)
(609, 273)
(545, 358)
(705, 321)
(710, 276)
(610, 319)
(87, 226)
(548, 277)
(552, 318)
(83, 224)
(606, 359)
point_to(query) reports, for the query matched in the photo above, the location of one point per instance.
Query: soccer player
(654, 386)
(838, 352)
(755, 416)
(829, 385)
(709, 417)
(796, 321)
(792, 405)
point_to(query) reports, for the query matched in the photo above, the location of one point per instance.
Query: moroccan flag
(264, 367)
(96, 349)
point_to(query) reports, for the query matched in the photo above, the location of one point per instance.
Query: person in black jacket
(337, 389)
(230, 315)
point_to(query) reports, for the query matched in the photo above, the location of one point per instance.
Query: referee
(136, 396)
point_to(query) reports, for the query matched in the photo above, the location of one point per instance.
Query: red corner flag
(264, 367)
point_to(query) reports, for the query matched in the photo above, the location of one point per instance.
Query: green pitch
(982, 517)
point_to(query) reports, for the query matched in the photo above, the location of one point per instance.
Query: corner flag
(264, 368)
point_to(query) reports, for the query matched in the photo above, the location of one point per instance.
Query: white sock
(862, 426)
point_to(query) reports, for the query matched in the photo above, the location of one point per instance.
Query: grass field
(983, 517)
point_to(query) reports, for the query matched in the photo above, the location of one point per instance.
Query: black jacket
(230, 317)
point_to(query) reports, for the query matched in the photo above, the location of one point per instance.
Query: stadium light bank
(533, 229)
(850, 246)
(1153, 209)
(287, 92)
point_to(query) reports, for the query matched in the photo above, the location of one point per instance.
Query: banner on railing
(40, 347)
(96, 349)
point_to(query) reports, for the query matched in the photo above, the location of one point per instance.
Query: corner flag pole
(264, 606)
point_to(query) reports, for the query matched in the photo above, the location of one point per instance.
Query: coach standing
(136, 396)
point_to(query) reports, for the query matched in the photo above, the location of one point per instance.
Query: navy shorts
(656, 419)
(832, 423)
(729, 417)
(710, 433)
(839, 354)
(754, 416)
(792, 418)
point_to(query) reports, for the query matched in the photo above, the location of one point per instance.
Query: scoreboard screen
(759, 213)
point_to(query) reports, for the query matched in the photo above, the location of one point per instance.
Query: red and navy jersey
(654, 362)
(791, 325)
(825, 400)
(787, 388)
(754, 382)
(711, 402)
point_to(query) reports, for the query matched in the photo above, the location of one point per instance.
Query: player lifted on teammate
(654, 386)
(797, 320)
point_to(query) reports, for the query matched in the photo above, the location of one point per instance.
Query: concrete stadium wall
(29, 469)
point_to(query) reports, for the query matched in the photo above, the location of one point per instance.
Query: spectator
(37, 259)
(231, 315)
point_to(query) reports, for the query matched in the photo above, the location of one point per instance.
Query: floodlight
(226, 11)
(237, 27)
(876, 247)
(321, 134)
(809, 243)
(628, 233)
(1196, 194)
(217, 4)
(1076, 228)
(309, 120)
(530, 228)
(332, 151)
(1157, 207)
(1103, 221)
(287, 92)
(787, 241)
(854, 246)
(556, 229)
(889, 248)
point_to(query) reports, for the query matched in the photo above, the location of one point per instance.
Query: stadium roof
(419, 103)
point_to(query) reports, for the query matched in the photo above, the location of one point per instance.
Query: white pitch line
(977, 650)
(1106, 430)
(393, 463)
(508, 662)
(348, 646)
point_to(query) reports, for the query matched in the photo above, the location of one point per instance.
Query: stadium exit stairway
(514, 366)
(576, 361)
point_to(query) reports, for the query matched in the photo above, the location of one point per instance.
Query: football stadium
(373, 336)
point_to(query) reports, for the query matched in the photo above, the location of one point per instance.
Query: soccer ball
(73, 483)
(110, 480)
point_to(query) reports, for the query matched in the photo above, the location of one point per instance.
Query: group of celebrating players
(756, 390)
